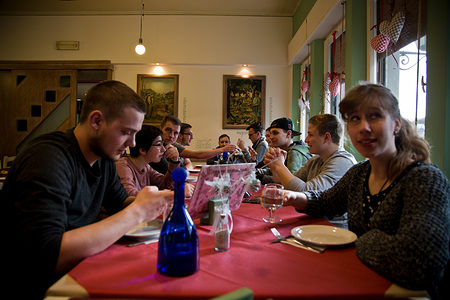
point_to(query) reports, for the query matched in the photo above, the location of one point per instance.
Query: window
(305, 69)
(334, 67)
(402, 67)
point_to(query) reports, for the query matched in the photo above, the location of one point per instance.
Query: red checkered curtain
(412, 9)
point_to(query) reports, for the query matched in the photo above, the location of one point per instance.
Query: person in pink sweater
(134, 170)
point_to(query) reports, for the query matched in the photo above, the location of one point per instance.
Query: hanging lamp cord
(142, 19)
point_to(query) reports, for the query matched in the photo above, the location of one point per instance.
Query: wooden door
(33, 102)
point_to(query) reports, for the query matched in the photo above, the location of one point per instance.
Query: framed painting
(160, 94)
(243, 101)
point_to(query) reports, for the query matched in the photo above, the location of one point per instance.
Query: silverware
(153, 240)
(294, 242)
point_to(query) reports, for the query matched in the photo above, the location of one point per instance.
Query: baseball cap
(285, 124)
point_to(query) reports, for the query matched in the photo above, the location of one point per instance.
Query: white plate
(323, 235)
(191, 179)
(146, 229)
(194, 171)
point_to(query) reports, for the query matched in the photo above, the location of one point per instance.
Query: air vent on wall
(67, 45)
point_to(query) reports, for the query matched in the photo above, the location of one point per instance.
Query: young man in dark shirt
(56, 187)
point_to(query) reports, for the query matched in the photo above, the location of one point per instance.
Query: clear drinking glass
(272, 199)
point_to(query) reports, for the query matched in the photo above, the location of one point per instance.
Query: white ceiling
(271, 8)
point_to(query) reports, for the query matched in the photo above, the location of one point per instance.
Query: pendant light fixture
(140, 48)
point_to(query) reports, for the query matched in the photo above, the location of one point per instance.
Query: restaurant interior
(307, 53)
(201, 41)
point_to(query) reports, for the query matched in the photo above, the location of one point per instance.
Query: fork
(294, 242)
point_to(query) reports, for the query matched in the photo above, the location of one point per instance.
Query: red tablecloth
(274, 270)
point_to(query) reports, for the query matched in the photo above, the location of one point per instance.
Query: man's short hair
(110, 97)
(328, 123)
(224, 135)
(171, 119)
(144, 139)
(184, 126)
(257, 127)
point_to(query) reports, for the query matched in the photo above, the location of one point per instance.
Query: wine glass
(272, 199)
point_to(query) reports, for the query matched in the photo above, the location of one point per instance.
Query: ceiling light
(140, 48)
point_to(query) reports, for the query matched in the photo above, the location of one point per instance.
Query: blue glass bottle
(178, 253)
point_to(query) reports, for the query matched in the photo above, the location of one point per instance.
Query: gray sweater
(407, 238)
(317, 174)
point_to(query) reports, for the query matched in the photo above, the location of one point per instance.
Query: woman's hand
(295, 199)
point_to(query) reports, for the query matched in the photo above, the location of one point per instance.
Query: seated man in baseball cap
(297, 152)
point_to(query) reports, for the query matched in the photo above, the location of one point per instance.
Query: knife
(300, 245)
(144, 242)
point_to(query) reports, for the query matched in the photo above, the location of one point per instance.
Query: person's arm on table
(274, 159)
(79, 243)
(188, 164)
(205, 154)
(296, 199)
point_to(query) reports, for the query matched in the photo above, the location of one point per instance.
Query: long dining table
(270, 270)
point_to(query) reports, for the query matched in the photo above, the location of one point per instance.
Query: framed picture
(243, 101)
(160, 94)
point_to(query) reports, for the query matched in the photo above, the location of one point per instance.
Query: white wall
(201, 49)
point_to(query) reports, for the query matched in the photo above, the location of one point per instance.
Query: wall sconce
(140, 48)
(158, 70)
(245, 73)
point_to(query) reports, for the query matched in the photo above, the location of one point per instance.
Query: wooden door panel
(34, 96)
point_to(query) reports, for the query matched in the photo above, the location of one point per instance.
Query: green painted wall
(299, 16)
(295, 95)
(355, 51)
(301, 13)
(437, 122)
(355, 42)
(317, 76)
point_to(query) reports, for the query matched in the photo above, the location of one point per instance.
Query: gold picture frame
(243, 101)
(160, 94)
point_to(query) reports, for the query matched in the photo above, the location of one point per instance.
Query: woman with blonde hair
(397, 202)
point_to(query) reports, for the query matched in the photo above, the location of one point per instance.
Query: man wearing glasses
(185, 138)
(256, 152)
(171, 128)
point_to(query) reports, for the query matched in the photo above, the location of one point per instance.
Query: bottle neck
(178, 194)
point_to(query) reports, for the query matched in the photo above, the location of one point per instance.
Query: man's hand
(275, 156)
(229, 148)
(252, 152)
(241, 144)
(188, 190)
(152, 203)
(172, 153)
